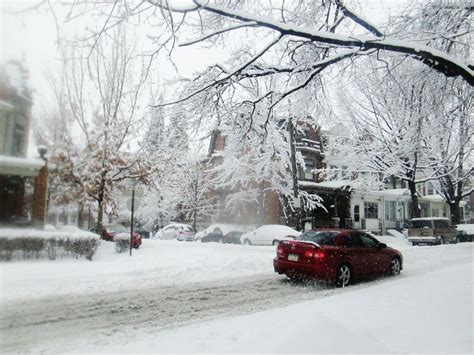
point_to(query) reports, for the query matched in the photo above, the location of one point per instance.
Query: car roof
(178, 225)
(340, 230)
(430, 219)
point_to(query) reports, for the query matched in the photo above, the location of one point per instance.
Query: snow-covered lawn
(428, 308)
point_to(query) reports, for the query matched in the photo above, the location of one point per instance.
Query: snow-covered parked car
(179, 231)
(465, 232)
(270, 234)
(224, 227)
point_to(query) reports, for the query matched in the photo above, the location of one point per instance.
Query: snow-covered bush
(122, 242)
(33, 244)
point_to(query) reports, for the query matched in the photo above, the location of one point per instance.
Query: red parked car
(109, 231)
(336, 255)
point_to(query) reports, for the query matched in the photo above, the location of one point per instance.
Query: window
(356, 213)
(353, 241)
(421, 223)
(18, 140)
(344, 172)
(371, 210)
(435, 212)
(425, 210)
(442, 224)
(430, 189)
(322, 238)
(368, 241)
(308, 169)
(390, 211)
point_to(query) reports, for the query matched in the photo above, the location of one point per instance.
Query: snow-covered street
(209, 293)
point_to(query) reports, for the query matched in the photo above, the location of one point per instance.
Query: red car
(110, 230)
(336, 255)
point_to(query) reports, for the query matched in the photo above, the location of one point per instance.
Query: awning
(20, 166)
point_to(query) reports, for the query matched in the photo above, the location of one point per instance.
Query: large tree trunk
(415, 211)
(455, 211)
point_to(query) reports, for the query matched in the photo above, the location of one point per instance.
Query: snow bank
(46, 234)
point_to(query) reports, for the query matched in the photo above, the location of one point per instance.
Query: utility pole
(294, 172)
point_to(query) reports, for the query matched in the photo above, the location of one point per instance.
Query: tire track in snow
(29, 324)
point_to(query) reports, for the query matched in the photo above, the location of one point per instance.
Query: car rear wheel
(275, 242)
(247, 242)
(220, 240)
(441, 241)
(343, 276)
(395, 266)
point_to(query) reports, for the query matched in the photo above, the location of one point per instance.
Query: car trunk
(301, 252)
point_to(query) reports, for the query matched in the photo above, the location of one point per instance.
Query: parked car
(143, 232)
(177, 231)
(214, 236)
(336, 255)
(465, 232)
(109, 231)
(269, 234)
(432, 230)
(224, 227)
(233, 237)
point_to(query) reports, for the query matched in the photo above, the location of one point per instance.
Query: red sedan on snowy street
(336, 255)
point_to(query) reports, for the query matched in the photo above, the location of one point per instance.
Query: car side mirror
(381, 245)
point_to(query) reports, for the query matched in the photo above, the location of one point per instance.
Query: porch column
(40, 195)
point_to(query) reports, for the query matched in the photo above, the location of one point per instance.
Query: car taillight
(280, 251)
(317, 254)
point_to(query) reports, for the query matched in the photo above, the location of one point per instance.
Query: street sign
(129, 203)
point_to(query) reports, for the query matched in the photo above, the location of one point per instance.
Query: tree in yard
(179, 182)
(450, 151)
(98, 101)
(412, 123)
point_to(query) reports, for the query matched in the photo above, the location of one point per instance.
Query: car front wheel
(275, 242)
(343, 276)
(395, 266)
(247, 242)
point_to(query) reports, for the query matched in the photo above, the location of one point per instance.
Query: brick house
(23, 181)
(308, 142)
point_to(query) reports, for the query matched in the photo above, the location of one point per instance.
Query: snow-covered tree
(450, 146)
(98, 97)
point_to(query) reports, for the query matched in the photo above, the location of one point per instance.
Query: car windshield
(319, 237)
(421, 223)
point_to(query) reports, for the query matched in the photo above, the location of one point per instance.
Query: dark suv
(432, 230)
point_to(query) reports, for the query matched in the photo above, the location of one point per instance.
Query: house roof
(20, 166)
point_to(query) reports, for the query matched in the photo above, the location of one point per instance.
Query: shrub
(122, 242)
(32, 244)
